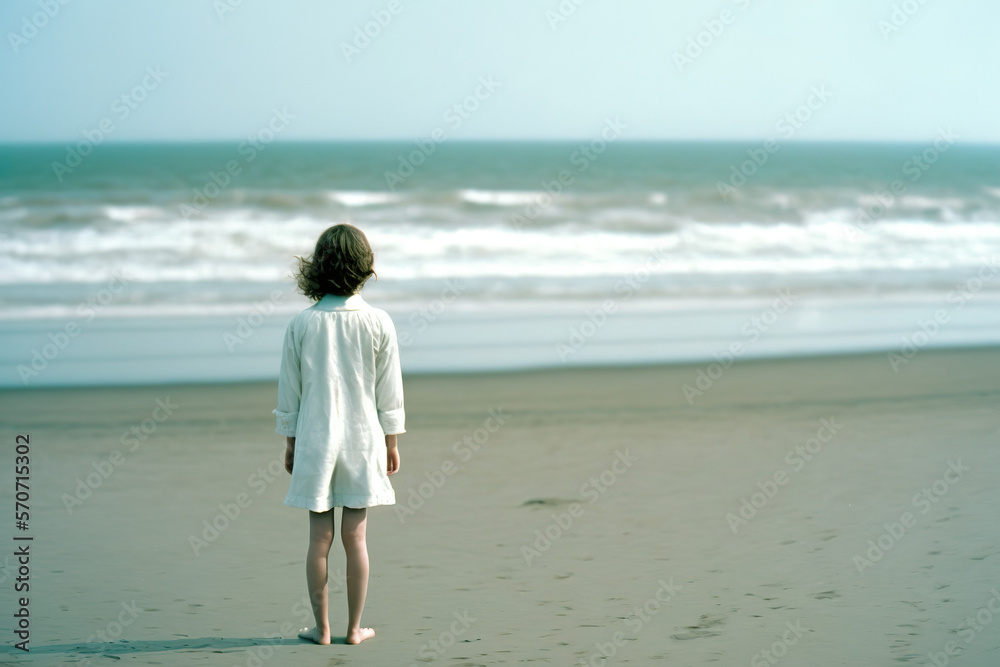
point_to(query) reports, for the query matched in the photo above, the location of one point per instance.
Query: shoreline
(513, 374)
(485, 337)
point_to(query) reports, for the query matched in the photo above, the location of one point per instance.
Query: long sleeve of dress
(389, 381)
(289, 384)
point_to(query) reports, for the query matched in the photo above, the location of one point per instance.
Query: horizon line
(649, 140)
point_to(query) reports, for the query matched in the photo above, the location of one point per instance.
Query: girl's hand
(392, 461)
(392, 455)
(289, 454)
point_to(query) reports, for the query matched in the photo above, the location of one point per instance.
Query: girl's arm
(389, 392)
(389, 381)
(289, 392)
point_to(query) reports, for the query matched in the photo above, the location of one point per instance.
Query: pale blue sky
(608, 59)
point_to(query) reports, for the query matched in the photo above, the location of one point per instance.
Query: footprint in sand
(547, 502)
(826, 595)
(703, 628)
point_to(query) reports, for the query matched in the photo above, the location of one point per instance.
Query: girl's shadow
(123, 647)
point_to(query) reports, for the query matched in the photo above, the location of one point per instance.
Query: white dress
(340, 391)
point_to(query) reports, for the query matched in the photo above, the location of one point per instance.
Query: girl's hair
(340, 265)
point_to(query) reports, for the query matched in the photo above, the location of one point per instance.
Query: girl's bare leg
(320, 541)
(353, 524)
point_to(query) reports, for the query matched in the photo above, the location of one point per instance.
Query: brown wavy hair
(341, 264)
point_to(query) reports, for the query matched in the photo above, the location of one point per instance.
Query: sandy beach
(814, 511)
(697, 319)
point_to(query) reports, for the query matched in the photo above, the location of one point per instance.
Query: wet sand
(820, 511)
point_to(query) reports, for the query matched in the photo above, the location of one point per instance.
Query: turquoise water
(475, 211)
(209, 231)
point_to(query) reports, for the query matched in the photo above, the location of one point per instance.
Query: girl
(340, 394)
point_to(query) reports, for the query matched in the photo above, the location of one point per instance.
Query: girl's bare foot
(359, 635)
(313, 635)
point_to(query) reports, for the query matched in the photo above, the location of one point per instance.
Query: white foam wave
(359, 198)
(12, 214)
(781, 200)
(131, 213)
(191, 250)
(500, 197)
(918, 202)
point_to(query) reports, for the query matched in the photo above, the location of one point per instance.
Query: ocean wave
(484, 207)
(131, 213)
(575, 242)
(189, 251)
(501, 197)
(351, 198)
(13, 214)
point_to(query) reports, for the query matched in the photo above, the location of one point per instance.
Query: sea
(150, 263)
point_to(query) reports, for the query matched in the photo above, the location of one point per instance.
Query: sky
(220, 70)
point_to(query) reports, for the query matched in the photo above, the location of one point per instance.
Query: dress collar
(336, 302)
